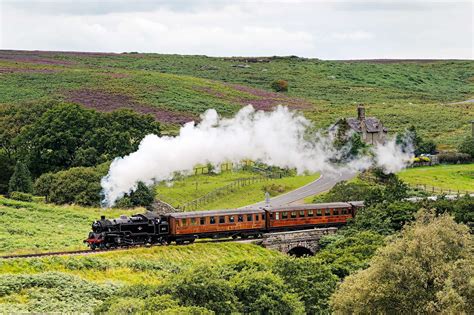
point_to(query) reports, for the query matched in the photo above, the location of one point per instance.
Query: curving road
(323, 183)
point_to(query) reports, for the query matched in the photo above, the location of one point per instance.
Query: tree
(311, 280)
(202, 287)
(21, 179)
(262, 292)
(411, 140)
(143, 196)
(467, 146)
(428, 269)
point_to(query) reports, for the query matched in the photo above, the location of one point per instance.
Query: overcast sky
(321, 29)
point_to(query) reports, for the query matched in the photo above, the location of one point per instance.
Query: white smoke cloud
(276, 138)
(391, 158)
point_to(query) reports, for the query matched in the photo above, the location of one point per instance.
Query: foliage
(21, 179)
(79, 185)
(202, 287)
(427, 269)
(411, 140)
(311, 280)
(262, 292)
(349, 252)
(349, 143)
(274, 189)
(454, 158)
(280, 86)
(346, 191)
(467, 146)
(68, 135)
(21, 196)
(143, 196)
(48, 292)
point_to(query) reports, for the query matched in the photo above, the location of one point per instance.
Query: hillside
(176, 88)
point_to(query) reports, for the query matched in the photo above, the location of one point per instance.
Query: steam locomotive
(186, 227)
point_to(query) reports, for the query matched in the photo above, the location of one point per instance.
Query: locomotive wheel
(93, 246)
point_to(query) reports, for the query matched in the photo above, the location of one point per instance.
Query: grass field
(30, 227)
(455, 177)
(192, 187)
(178, 88)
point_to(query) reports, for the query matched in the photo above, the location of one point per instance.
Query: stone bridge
(296, 243)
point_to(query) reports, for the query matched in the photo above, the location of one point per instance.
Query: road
(323, 183)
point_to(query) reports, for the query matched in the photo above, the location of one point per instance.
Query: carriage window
(302, 214)
(193, 221)
(277, 216)
(231, 219)
(241, 218)
(212, 220)
(249, 217)
(183, 222)
(293, 214)
(310, 213)
(263, 216)
(319, 213)
(202, 221)
(284, 215)
(335, 211)
(327, 212)
(256, 217)
(344, 211)
(221, 220)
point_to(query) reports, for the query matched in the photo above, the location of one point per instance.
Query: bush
(274, 189)
(280, 85)
(79, 185)
(21, 196)
(143, 196)
(467, 146)
(454, 158)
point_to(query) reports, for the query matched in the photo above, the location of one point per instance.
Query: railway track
(99, 251)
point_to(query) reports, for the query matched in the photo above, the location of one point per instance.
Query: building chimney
(360, 112)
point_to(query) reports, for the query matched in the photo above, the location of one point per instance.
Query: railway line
(100, 251)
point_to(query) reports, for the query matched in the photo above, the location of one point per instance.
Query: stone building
(370, 129)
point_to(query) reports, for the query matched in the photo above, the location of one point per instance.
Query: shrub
(280, 85)
(274, 189)
(21, 196)
(454, 158)
(467, 146)
(143, 196)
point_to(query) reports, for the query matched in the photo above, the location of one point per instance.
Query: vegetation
(467, 146)
(280, 86)
(177, 88)
(27, 227)
(21, 179)
(454, 177)
(428, 269)
(410, 139)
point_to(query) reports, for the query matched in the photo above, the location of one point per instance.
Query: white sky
(321, 29)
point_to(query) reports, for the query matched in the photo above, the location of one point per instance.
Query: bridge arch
(300, 251)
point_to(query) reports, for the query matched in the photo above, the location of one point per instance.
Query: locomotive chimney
(102, 217)
(360, 113)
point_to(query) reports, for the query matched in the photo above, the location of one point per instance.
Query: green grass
(139, 265)
(31, 227)
(455, 177)
(192, 187)
(400, 93)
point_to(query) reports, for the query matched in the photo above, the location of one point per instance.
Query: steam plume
(278, 138)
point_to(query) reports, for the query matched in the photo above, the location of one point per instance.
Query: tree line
(60, 150)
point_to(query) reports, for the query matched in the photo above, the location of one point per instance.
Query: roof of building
(193, 214)
(372, 124)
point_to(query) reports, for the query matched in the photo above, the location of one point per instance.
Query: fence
(222, 191)
(441, 191)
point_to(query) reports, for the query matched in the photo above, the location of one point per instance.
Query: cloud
(328, 30)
